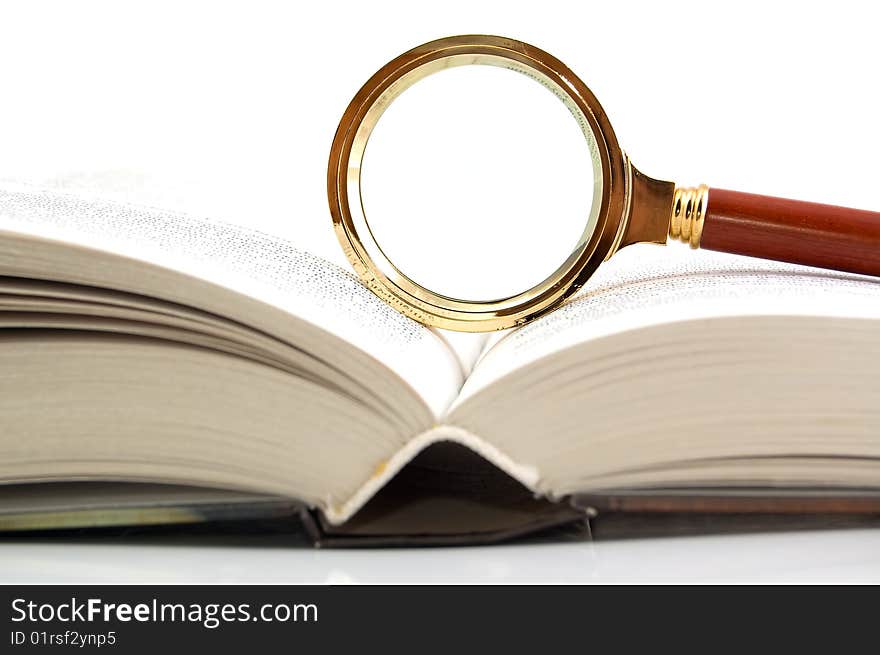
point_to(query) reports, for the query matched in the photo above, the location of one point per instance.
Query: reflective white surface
(846, 556)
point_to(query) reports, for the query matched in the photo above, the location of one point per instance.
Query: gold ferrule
(688, 212)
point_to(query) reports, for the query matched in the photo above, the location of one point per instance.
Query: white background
(228, 109)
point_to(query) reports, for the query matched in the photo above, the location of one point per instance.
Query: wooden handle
(793, 231)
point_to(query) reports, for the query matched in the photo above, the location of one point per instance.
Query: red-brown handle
(793, 231)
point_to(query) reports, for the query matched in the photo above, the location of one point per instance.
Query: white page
(647, 285)
(233, 200)
(261, 266)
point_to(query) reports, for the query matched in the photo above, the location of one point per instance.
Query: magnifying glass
(475, 183)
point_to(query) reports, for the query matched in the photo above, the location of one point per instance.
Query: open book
(228, 373)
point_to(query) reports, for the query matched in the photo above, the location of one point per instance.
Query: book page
(252, 263)
(646, 285)
(223, 196)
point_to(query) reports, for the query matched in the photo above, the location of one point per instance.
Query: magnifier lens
(478, 183)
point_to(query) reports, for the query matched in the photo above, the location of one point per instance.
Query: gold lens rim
(382, 276)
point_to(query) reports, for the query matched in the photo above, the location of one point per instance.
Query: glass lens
(477, 182)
